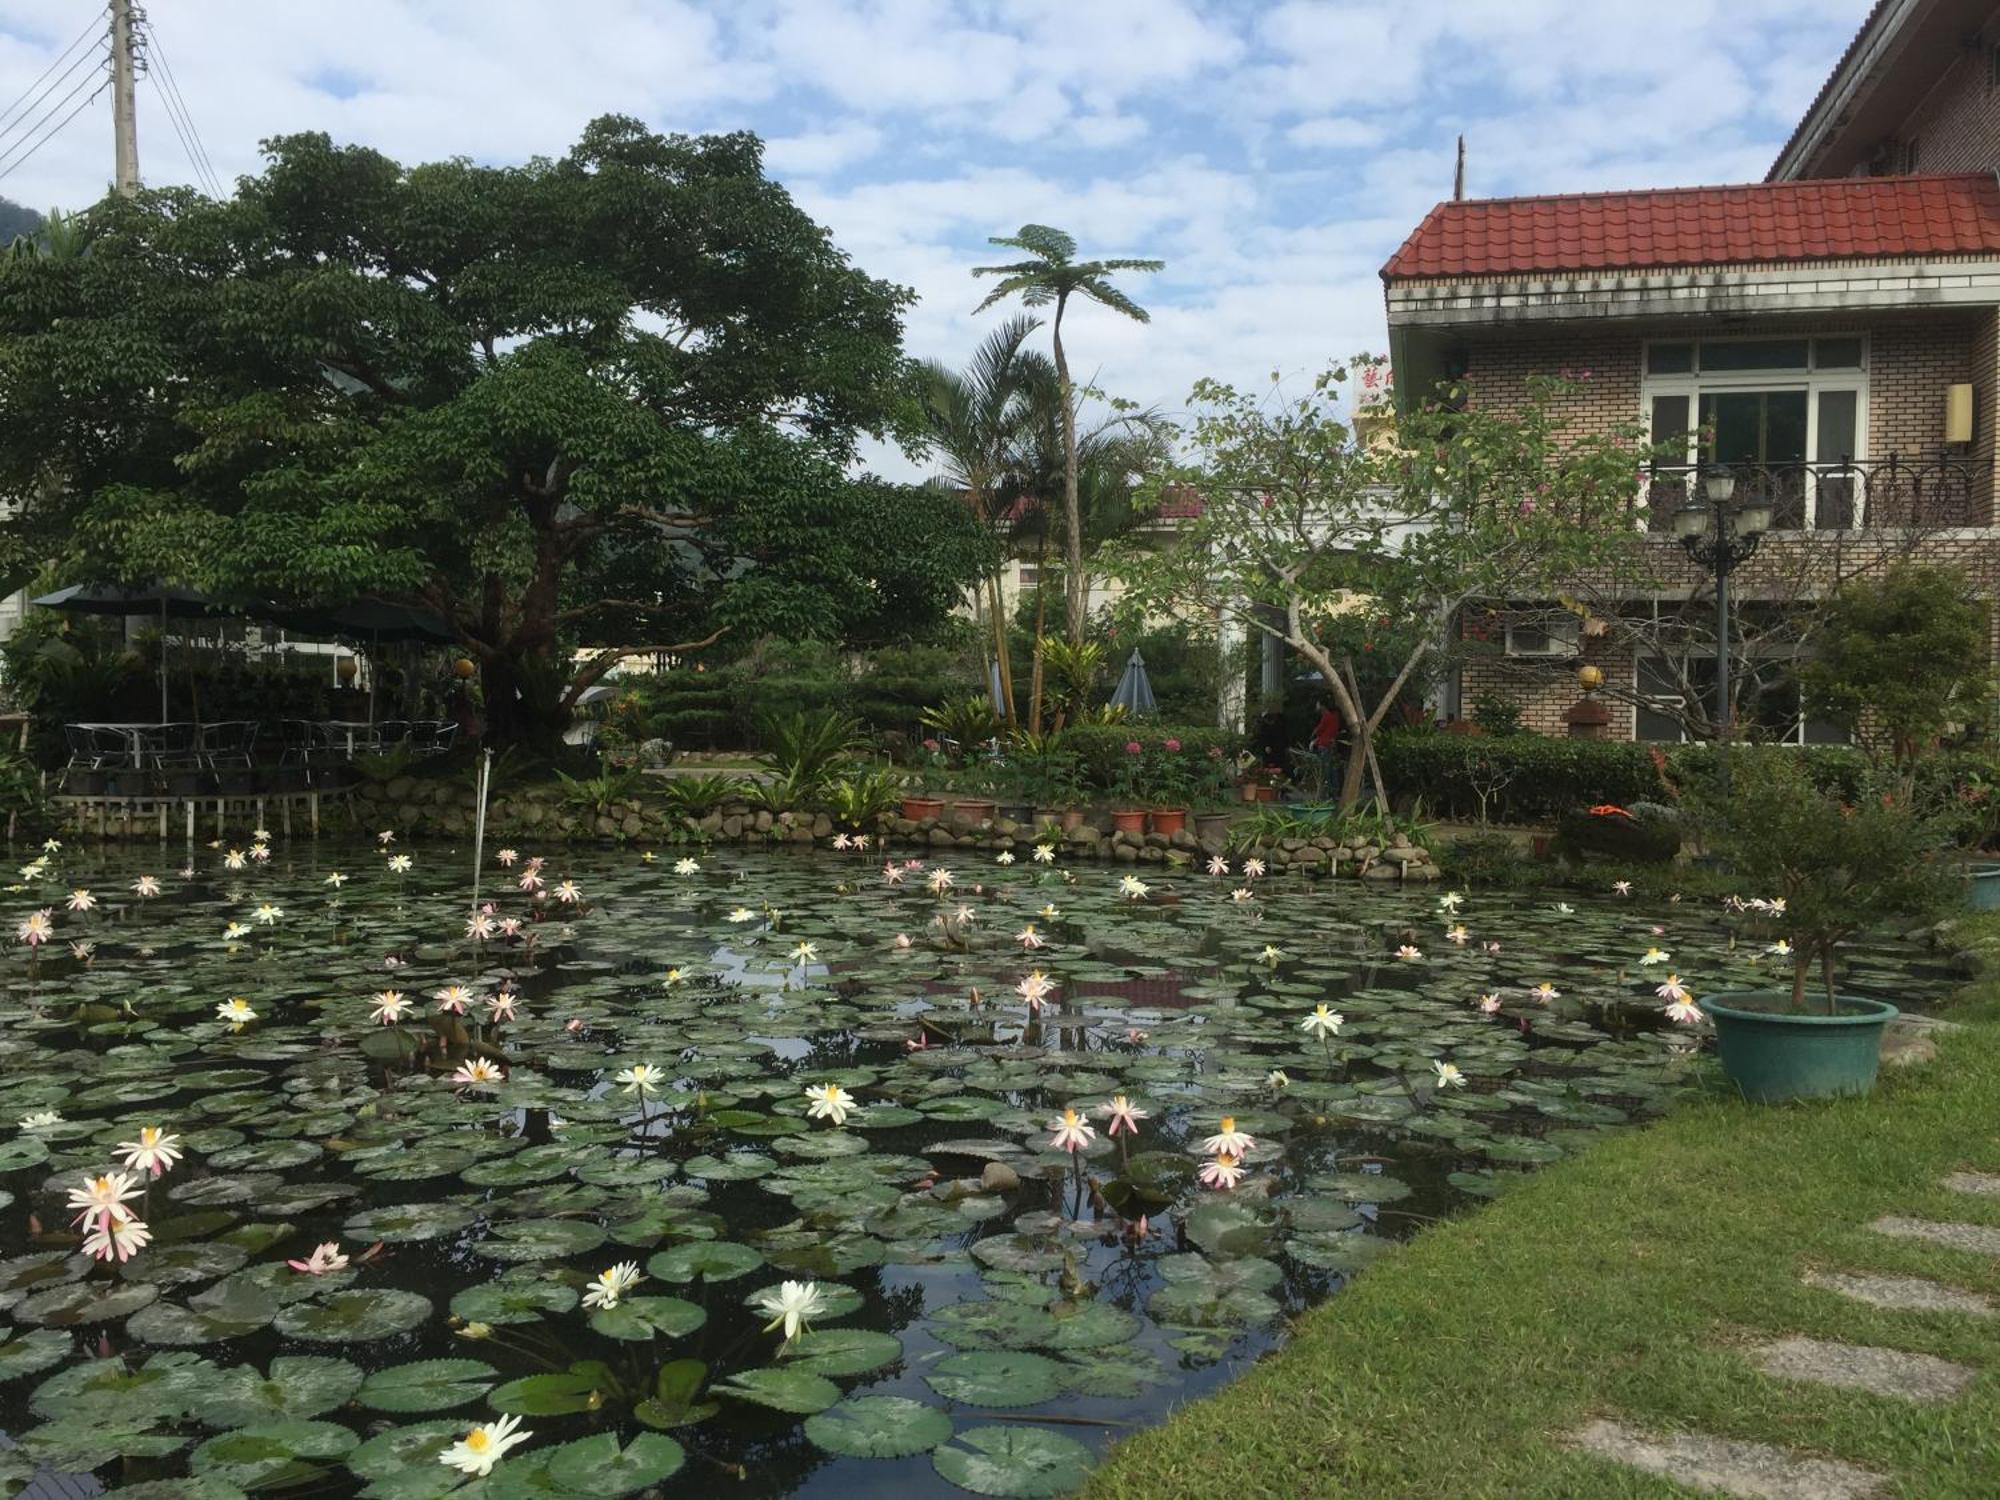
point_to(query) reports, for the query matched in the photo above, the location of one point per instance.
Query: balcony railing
(1840, 496)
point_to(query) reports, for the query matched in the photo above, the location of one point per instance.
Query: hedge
(1546, 777)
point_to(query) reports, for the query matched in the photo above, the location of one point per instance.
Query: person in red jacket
(1324, 736)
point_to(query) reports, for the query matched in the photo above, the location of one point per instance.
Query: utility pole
(124, 114)
(1458, 176)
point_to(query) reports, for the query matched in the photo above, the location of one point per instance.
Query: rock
(1402, 855)
(732, 826)
(715, 823)
(999, 1178)
(606, 828)
(1384, 871)
(1153, 855)
(1125, 854)
(1006, 827)
(1368, 851)
(1422, 872)
(1184, 841)
(822, 827)
(763, 822)
(1310, 855)
(940, 837)
(633, 826)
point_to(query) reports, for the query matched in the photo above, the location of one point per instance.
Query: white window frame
(1564, 635)
(1795, 737)
(1694, 385)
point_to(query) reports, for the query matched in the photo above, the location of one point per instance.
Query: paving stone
(1981, 1239)
(1986, 1184)
(1903, 1293)
(1723, 1466)
(1865, 1367)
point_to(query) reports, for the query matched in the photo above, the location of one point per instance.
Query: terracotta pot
(1128, 821)
(917, 809)
(1257, 791)
(1072, 819)
(973, 810)
(1169, 821)
(1543, 845)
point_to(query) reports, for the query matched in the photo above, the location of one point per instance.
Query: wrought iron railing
(1841, 496)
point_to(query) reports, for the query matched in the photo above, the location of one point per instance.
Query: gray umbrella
(1134, 693)
(160, 599)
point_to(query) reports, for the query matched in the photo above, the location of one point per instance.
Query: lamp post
(1720, 534)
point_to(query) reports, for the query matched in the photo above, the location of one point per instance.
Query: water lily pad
(711, 1260)
(85, 1303)
(996, 1378)
(405, 1222)
(599, 1466)
(540, 1239)
(28, 1353)
(579, 1388)
(871, 1426)
(271, 1452)
(231, 1308)
(637, 1318)
(1020, 1463)
(503, 1302)
(782, 1390)
(427, 1385)
(374, 1313)
(298, 1386)
(842, 1351)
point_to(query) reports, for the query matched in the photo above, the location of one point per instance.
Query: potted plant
(1261, 783)
(975, 804)
(1173, 782)
(1838, 870)
(920, 805)
(1128, 813)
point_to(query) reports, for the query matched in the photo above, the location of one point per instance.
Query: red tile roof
(1836, 219)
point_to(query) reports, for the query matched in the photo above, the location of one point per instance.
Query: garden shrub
(1626, 837)
(1101, 754)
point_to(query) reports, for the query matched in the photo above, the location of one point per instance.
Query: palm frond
(1051, 244)
(1097, 289)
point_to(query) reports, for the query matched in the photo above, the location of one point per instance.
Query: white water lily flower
(1240, 894)
(892, 873)
(480, 1449)
(792, 1305)
(1450, 902)
(101, 1199)
(1027, 937)
(479, 1074)
(1217, 865)
(643, 1079)
(399, 864)
(1229, 1140)
(81, 900)
(1132, 888)
(1272, 953)
(236, 1011)
(1780, 949)
(612, 1284)
(117, 1240)
(154, 1152)
(1545, 992)
(1409, 954)
(829, 1101)
(1071, 1131)
(336, 880)
(1045, 854)
(1563, 908)
(1621, 887)
(741, 914)
(1253, 868)
(37, 927)
(41, 1119)
(1682, 1008)
(146, 886)
(1323, 1022)
(1489, 1004)
(236, 859)
(1035, 989)
(326, 1258)
(1223, 1171)
(1448, 1075)
(686, 866)
(1004, 857)
(1277, 1078)
(805, 953)
(1653, 956)
(940, 881)
(390, 1007)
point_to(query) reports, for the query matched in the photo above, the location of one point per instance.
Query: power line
(188, 148)
(93, 29)
(178, 111)
(11, 158)
(7, 169)
(25, 121)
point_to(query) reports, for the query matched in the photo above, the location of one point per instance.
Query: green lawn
(1615, 1285)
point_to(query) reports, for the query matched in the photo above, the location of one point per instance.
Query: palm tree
(1052, 276)
(974, 418)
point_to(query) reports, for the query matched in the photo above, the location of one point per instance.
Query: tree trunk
(1041, 622)
(1000, 651)
(1075, 586)
(520, 668)
(1357, 769)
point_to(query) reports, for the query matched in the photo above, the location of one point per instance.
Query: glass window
(1670, 421)
(1835, 442)
(1837, 354)
(1719, 355)
(1669, 359)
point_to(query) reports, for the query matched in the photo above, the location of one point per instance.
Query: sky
(1272, 154)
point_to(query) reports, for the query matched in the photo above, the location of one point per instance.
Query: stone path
(1760, 1471)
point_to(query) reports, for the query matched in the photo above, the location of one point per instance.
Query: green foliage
(855, 801)
(698, 796)
(1903, 656)
(606, 398)
(384, 765)
(963, 724)
(1102, 759)
(597, 794)
(1071, 673)
(1496, 713)
(1485, 859)
(1840, 866)
(804, 747)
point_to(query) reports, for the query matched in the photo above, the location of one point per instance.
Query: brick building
(1831, 335)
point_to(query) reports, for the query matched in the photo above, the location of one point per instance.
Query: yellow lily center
(1228, 1123)
(477, 1440)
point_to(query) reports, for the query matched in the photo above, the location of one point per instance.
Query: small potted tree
(1128, 812)
(1839, 869)
(1173, 784)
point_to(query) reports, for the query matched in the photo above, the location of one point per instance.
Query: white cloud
(1274, 155)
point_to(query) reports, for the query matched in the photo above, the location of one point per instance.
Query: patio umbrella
(164, 600)
(1134, 693)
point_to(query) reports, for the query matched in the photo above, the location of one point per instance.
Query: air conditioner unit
(1552, 637)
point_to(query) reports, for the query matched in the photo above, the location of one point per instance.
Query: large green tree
(1051, 277)
(607, 401)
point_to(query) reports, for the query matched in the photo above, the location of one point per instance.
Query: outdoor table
(133, 733)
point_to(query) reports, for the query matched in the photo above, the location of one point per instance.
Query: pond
(611, 1068)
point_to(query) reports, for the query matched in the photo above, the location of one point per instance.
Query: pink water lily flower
(325, 1258)
(1229, 1141)
(1072, 1131)
(1122, 1114)
(1222, 1171)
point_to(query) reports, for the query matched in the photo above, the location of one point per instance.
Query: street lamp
(1720, 534)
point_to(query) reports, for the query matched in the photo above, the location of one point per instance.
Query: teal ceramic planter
(1982, 888)
(1773, 1053)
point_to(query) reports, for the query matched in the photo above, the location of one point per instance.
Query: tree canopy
(603, 401)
